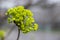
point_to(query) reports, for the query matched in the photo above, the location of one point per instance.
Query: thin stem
(18, 34)
(18, 30)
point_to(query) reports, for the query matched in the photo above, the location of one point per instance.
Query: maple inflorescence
(23, 18)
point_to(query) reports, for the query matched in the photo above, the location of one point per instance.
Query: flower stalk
(18, 34)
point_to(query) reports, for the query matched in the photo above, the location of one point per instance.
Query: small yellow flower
(13, 18)
(30, 28)
(35, 26)
(27, 30)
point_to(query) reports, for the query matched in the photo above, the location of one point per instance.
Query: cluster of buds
(23, 18)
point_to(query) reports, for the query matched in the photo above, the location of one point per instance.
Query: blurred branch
(44, 4)
(28, 4)
(39, 2)
(9, 32)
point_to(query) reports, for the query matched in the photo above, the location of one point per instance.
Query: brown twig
(18, 34)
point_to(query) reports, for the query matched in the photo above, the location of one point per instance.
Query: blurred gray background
(46, 14)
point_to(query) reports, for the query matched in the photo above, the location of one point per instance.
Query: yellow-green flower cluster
(23, 18)
(2, 33)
